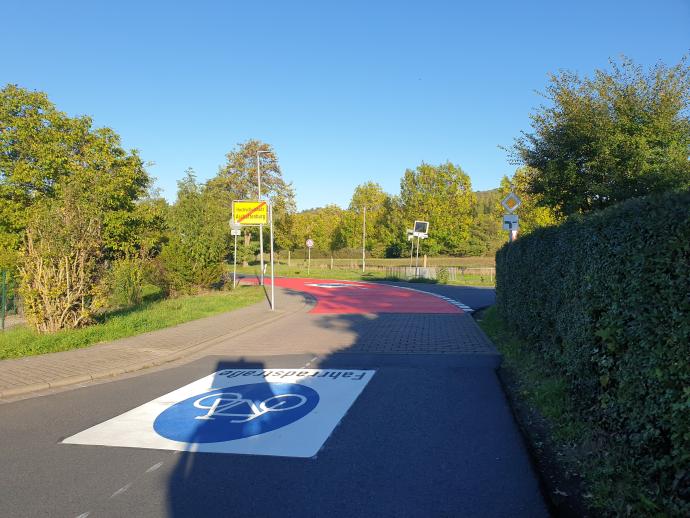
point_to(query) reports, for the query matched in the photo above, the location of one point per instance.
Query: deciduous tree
(443, 196)
(620, 134)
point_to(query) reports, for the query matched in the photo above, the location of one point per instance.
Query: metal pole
(416, 264)
(4, 298)
(364, 239)
(234, 265)
(411, 251)
(273, 284)
(261, 227)
(309, 260)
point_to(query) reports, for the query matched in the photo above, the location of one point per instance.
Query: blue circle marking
(236, 412)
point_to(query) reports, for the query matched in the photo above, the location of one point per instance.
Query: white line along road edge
(281, 412)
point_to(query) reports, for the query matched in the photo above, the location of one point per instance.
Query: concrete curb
(177, 355)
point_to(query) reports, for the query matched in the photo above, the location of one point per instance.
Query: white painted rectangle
(281, 412)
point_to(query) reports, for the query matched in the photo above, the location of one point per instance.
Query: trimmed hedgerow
(605, 300)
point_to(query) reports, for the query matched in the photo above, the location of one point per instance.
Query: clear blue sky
(345, 91)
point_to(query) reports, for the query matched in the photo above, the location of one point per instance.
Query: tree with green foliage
(532, 214)
(61, 265)
(320, 225)
(199, 236)
(369, 195)
(68, 196)
(443, 196)
(621, 134)
(237, 180)
(486, 233)
(42, 150)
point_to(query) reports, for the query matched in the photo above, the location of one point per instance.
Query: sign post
(3, 309)
(410, 238)
(510, 220)
(421, 231)
(235, 230)
(310, 244)
(253, 213)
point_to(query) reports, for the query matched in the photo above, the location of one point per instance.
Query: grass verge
(357, 275)
(149, 316)
(557, 438)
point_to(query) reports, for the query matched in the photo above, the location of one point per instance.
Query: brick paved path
(248, 332)
(34, 373)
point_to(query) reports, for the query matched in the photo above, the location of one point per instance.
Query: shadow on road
(430, 435)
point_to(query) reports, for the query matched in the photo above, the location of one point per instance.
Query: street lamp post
(364, 239)
(261, 227)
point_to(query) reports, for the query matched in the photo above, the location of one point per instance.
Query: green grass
(316, 273)
(322, 271)
(576, 446)
(149, 316)
(542, 388)
(469, 262)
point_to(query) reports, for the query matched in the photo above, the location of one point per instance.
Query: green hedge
(605, 300)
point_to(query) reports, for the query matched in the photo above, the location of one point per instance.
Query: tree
(618, 135)
(443, 196)
(42, 151)
(319, 224)
(199, 237)
(486, 233)
(369, 195)
(61, 268)
(532, 214)
(237, 180)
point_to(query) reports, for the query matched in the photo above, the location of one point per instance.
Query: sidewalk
(34, 373)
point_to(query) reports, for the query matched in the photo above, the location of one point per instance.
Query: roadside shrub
(125, 280)
(194, 255)
(442, 275)
(60, 267)
(605, 300)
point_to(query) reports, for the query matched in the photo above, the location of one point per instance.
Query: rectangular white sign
(282, 412)
(510, 222)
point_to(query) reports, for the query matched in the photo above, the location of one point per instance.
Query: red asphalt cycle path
(339, 297)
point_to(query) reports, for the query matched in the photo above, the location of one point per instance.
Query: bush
(60, 268)
(605, 300)
(199, 238)
(125, 281)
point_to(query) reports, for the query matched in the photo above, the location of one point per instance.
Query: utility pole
(417, 261)
(3, 309)
(273, 280)
(364, 239)
(261, 227)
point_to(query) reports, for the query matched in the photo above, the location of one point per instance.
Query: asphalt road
(474, 296)
(430, 435)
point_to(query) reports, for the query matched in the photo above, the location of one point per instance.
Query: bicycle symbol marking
(236, 412)
(225, 401)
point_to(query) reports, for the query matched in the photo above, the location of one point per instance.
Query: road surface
(405, 417)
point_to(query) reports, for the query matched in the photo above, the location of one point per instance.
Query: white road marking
(454, 302)
(121, 490)
(154, 467)
(281, 412)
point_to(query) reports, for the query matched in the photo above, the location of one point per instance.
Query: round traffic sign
(310, 243)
